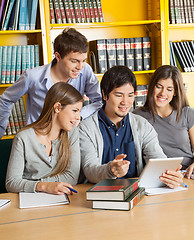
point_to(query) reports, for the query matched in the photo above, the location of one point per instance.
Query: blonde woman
(45, 155)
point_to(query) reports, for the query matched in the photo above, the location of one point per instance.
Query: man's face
(119, 102)
(71, 65)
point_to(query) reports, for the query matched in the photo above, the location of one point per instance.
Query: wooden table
(167, 216)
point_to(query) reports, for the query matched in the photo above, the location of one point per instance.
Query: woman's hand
(54, 187)
(189, 171)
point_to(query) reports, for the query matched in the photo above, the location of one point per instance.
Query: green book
(112, 189)
(128, 204)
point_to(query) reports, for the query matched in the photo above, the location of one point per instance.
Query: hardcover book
(112, 189)
(146, 53)
(128, 204)
(138, 60)
(120, 51)
(111, 52)
(129, 53)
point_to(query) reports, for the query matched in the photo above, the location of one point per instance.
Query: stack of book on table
(115, 194)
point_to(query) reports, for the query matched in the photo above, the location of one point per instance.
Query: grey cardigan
(29, 163)
(91, 146)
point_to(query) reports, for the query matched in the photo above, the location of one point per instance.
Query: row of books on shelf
(115, 194)
(18, 14)
(15, 59)
(134, 53)
(17, 118)
(181, 11)
(75, 11)
(181, 55)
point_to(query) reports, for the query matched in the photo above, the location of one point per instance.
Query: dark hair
(70, 40)
(116, 77)
(179, 100)
(65, 94)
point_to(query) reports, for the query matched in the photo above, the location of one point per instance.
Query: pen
(73, 190)
(184, 184)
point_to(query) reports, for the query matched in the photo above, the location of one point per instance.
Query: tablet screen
(149, 177)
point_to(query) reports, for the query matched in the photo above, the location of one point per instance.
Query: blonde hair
(65, 94)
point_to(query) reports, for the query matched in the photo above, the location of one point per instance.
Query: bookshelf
(27, 37)
(131, 19)
(179, 32)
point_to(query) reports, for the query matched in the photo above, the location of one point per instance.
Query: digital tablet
(149, 177)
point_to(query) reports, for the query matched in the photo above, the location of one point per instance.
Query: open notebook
(29, 200)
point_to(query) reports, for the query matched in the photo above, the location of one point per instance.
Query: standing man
(69, 65)
(113, 134)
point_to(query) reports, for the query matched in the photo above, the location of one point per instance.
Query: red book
(113, 189)
(71, 8)
(86, 10)
(101, 17)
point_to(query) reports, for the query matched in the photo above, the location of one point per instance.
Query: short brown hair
(70, 40)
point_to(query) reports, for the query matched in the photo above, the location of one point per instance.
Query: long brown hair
(65, 94)
(179, 100)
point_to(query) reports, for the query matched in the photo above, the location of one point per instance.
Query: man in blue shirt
(115, 143)
(69, 65)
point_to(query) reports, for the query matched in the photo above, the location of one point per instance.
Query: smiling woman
(167, 109)
(44, 156)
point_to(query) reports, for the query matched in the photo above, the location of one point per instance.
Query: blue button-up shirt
(117, 141)
(36, 82)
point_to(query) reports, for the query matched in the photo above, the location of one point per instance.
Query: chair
(5, 150)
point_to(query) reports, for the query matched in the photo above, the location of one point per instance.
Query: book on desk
(115, 194)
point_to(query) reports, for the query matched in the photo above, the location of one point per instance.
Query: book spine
(100, 13)
(137, 45)
(22, 109)
(192, 9)
(62, 11)
(11, 4)
(120, 51)
(15, 118)
(129, 53)
(68, 12)
(23, 58)
(32, 56)
(0, 62)
(186, 11)
(179, 57)
(33, 14)
(140, 96)
(22, 15)
(8, 65)
(4, 61)
(172, 60)
(191, 53)
(13, 64)
(189, 11)
(4, 15)
(11, 122)
(102, 55)
(11, 21)
(111, 52)
(57, 11)
(137, 198)
(16, 15)
(172, 11)
(19, 114)
(91, 10)
(182, 12)
(18, 61)
(130, 190)
(36, 54)
(177, 11)
(86, 10)
(52, 14)
(187, 55)
(9, 132)
(182, 52)
(146, 53)
(81, 8)
(72, 11)
(77, 12)
(28, 57)
(1, 9)
(95, 8)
